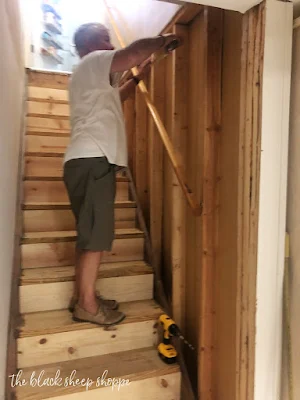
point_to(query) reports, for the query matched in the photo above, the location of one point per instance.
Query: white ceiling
(236, 5)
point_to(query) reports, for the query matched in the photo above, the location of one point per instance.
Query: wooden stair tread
(65, 205)
(133, 365)
(34, 276)
(59, 178)
(64, 236)
(50, 322)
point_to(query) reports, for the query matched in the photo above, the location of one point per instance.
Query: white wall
(293, 221)
(11, 98)
(272, 201)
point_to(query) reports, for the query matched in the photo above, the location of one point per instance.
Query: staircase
(50, 344)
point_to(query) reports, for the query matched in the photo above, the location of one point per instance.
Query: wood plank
(46, 145)
(226, 255)
(123, 284)
(66, 205)
(67, 274)
(66, 236)
(50, 167)
(146, 373)
(48, 191)
(214, 29)
(51, 125)
(129, 116)
(46, 110)
(141, 152)
(48, 79)
(179, 136)
(63, 253)
(48, 132)
(156, 165)
(47, 95)
(63, 220)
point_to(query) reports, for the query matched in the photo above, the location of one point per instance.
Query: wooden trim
(184, 16)
(214, 40)
(248, 198)
(14, 310)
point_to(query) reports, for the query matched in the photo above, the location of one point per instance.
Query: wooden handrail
(178, 169)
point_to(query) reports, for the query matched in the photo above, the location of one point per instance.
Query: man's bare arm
(127, 89)
(138, 52)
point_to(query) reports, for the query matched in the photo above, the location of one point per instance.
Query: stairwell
(50, 344)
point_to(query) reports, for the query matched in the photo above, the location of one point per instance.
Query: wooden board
(214, 41)
(51, 125)
(129, 116)
(33, 276)
(63, 220)
(126, 284)
(45, 145)
(179, 137)
(48, 95)
(66, 236)
(47, 191)
(143, 368)
(45, 110)
(63, 254)
(47, 79)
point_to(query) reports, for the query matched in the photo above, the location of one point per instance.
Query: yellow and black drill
(166, 350)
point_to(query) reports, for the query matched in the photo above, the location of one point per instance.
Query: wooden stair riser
(48, 110)
(46, 145)
(56, 296)
(63, 220)
(84, 343)
(47, 95)
(47, 79)
(63, 254)
(55, 191)
(50, 167)
(50, 125)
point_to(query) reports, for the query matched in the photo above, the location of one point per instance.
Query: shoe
(111, 304)
(104, 316)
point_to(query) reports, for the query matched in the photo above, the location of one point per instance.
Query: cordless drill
(166, 351)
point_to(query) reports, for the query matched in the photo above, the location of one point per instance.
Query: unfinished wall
(293, 223)
(204, 128)
(12, 86)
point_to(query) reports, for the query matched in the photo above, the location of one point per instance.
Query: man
(98, 146)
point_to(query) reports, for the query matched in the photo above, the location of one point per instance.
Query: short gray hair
(87, 32)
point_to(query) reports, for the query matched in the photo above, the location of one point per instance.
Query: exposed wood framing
(179, 137)
(156, 164)
(129, 116)
(214, 28)
(141, 152)
(46, 79)
(248, 200)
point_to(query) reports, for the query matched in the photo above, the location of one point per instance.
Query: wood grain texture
(248, 195)
(137, 365)
(46, 145)
(214, 28)
(47, 95)
(48, 109)
(41, 255)
(48, 191)
(47, 79)
(123, 284)
(51, 125)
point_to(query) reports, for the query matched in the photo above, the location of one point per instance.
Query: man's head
(91, 37)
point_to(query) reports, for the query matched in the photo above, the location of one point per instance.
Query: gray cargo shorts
(91, 187)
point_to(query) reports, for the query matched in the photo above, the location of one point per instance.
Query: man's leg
(87, 271)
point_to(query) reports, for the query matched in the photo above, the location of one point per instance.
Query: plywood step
(60, 253)
(48, 79)
(49, 191)
(48, 95)
(148, 377)
(51, 168)
(49, 336)
(67, 236)
(48, 109)
(62, 219)
(127, 282)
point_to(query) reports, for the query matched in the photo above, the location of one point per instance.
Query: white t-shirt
(97, 122)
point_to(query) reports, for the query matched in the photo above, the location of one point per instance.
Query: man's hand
(144, 68)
